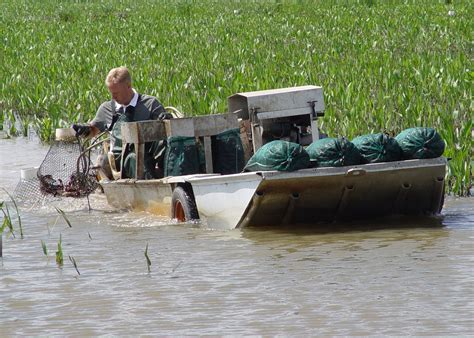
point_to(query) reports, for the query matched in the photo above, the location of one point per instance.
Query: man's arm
(98, 124)
(157, 110)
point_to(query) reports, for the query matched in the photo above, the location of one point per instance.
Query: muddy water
(414, 279)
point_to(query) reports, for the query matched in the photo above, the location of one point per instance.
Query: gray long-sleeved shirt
(147, 108)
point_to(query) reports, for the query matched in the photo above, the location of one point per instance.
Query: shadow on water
(387, 223)
(423, 230)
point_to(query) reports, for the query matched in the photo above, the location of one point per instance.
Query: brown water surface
(406, 277)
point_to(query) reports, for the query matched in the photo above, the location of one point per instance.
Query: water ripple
(413, 279)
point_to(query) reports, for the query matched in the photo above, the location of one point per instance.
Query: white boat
(410, 187)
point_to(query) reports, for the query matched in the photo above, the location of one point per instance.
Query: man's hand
(165, 116)
(82, 129)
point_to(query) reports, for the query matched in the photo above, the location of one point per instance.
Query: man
(127, 105)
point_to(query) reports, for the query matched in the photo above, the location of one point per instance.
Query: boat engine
(288, 114)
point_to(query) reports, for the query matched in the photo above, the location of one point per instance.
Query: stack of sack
(412, 143)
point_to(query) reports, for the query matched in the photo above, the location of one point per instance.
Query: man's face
(121, 92)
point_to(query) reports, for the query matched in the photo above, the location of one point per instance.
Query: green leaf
(17, 212)
(45, 248)
(148, 261)
(63, 216)
(73, 261)
(59, 253)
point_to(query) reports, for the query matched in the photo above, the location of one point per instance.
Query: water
(416, 279)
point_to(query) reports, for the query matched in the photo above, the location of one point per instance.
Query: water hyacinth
(384, 66)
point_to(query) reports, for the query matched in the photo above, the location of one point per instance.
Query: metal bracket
(253, 115)
(315, 114)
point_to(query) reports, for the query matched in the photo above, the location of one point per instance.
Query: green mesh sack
(228, 152)
(333, 152)
(181, 157)
(420, 143)
(129, 166)
(201, 157)
(278, 155)
(375, 148)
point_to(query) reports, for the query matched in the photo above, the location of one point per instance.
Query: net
(66, 171)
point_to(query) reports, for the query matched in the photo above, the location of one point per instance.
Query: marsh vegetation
(384, 65)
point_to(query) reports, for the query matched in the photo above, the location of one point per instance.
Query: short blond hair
(118, 75)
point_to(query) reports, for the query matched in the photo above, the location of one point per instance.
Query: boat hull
(153, 196)
(272, 198)
(332, 194)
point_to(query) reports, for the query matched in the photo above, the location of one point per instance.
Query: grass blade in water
(73, 261)
(7, 221)
(17, 212)
(59, 253)
(64, 216)
(45, 248)
(148, 261)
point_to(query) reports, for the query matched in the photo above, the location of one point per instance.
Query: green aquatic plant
(46, 127)
(7, 220)
(176, 267)
(370, 3)
(27, 121)
(45, 248)
(20, 226)
(63, 215)
(391, 64)
(73, 261)
(6, 223)
(59, 253)
(2, 228)
(10, 126)
(148, 261)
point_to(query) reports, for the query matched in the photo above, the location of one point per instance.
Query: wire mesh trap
(66, 171)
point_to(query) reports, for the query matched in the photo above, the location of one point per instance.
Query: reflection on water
(395, 222)
(406, 276)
